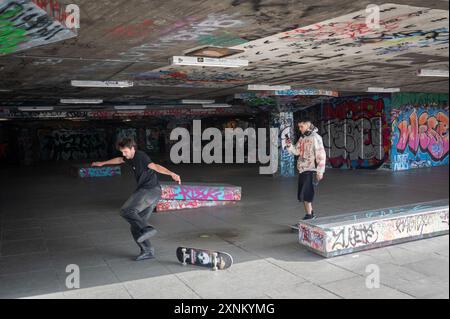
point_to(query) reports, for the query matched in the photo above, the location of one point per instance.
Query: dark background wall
(32, 141)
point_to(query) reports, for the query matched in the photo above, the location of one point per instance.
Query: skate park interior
(384, 149)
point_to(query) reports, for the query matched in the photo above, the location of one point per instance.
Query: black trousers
(138, 209)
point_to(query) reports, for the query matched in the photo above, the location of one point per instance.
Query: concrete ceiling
(306, 44)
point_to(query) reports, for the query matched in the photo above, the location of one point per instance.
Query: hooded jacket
(310, 151)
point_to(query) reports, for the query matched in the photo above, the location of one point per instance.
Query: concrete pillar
(283, 119)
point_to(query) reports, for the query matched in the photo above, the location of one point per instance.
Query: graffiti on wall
(224, 39)
(152, 140)
(53, 8)
(287, 160)
(24, 25)
(64, 144)
(419, 137)
(188, 29)
(122, 133)
(355, 132)
(179, 113)
(193, 78)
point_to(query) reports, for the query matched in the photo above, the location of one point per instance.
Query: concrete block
(344, 234)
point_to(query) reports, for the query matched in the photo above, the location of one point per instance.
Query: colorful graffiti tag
(64, 144)
(314, 237)
(179, 113)
(166, 205)
(188, 29)
(343, 234)
(24, 25)
(200, 192)
(355, 131)
(287, 160)
(419, 137)
(104, 171)
(53, 8)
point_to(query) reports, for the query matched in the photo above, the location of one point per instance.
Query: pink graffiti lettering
(428, 132)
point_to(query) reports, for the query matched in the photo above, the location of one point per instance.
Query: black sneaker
(147, 233)
(309, 216)
(146, 255)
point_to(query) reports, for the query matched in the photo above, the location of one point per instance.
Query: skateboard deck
(215, 260)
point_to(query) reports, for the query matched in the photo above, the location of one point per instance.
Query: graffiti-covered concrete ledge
(344, 234)
(86, 170)
(196, 195)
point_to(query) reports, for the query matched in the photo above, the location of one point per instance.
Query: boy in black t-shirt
(138, 208)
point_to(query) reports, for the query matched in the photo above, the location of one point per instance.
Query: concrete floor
(50, 219)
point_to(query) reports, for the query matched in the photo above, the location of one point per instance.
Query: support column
(283, 119)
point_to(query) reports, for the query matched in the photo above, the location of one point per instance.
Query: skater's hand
(176, 178)
(319, 177)
(98, 164)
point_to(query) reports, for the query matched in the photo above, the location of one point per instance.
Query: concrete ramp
(344, 234)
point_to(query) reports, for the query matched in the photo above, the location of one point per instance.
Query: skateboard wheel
(215, 261)
(184, 256)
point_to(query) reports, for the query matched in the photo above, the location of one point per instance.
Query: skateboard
(204, 258)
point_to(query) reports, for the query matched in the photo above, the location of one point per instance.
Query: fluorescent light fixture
(102, 84)
(436, 73)
(382, 90)
(38, 108)
(217, 105)
(258, 87)
(3, 119)
(198, 101)
(212, 52)
(80, 101)
(4, 90)
(130, 107)
(211, 62)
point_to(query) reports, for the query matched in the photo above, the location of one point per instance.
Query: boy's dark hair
(126, 142)
(305, 119)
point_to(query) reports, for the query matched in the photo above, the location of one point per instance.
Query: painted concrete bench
(85, 170)
(344, 234)
(190, 195)
(165, 205)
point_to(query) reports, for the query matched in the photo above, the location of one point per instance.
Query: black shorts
(305, 191)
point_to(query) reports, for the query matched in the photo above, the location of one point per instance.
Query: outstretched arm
(114, 161)
(162, 170)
